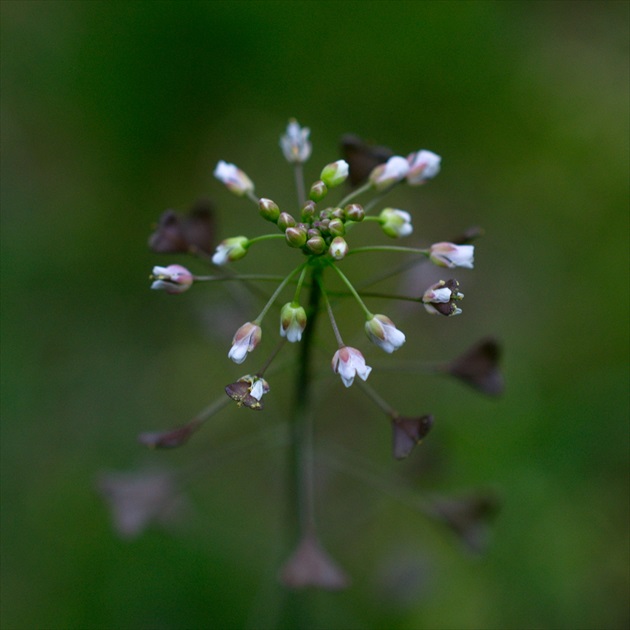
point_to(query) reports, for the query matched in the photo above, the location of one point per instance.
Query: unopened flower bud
(233, 178)
(382, 332)
(269, 209)
(423, 165)
(292, 322)
(246, 338)
(316, 245)
(230, 249)
(451, 255)
(318, 191)
(294, 143)
(296, 237)
(355, 212)
(335, 173)
(172, 279)
(336, 227)
(308, 211)
(394, 170)
(338, 248)
(338, 213)
(395, 223)
(285, 220)
(441, 297)
(349, 362)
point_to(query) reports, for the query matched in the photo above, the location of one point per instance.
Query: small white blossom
(246, 338)
(230, 249)
(423, 165)
(172, 279)
(235, 179)
(451, 255)
(441, 297)
(338, 248)
(334, 174)
(292, 322)
(382, 331)
(396, 223)
(394, 170)
(348, 363)
(259, 388)
(295, 144)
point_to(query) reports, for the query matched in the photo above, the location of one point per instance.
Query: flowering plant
(322, 235)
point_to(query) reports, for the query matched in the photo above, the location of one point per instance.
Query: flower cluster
(320, 229)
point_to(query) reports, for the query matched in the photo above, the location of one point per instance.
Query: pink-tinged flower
(440, 298)
(230, 249)
(395, 223)
(338, 248)
(394, 170)
(172, 279)
(295, 144)
(334, 174)
(348, 363)
(382, 332)
(292, 322)
(423, 165)
(234, 179)
(451, 255)
(247, 337)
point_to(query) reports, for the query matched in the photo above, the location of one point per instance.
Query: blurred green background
(114, 111)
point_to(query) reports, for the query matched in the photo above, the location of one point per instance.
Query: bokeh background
(115, 111)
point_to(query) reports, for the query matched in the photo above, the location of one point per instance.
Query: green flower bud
(268, 210)
(308, 211)
(334, 174)
(336, 227)
(296, 237)
(318, 191)
(355, 212)
(285, 220)
(316, 245)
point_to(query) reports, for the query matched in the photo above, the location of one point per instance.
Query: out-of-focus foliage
(113, 112)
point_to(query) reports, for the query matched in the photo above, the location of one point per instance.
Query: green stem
(264, 237)
(388, 248)
(272, 299)
(347, 282)
(355, 193)
(295, 613)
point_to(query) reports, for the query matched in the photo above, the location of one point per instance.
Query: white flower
(259, 388)
(230, 249)
(348, 363)
(394, 170)
(423, 165)
(294, 143)
(396, 223)
(245, 340)
(233, 178)
(172, 279)
(292, 322)
(335, 173)
(382, 332)
(451, 255)
(338, 248)
(440, 298)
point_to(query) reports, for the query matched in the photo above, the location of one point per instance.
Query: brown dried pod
(407, 432)
(479, 367)
(176, 233)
